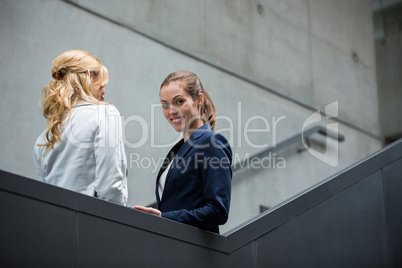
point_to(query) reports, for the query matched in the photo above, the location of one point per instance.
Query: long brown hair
(69, 85)
(193, 85)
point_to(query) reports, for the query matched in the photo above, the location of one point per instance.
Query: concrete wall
(389, 75)
(283, 59)
(388, 43)
(312, 51)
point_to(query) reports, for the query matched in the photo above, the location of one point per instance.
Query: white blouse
(90, 158)
(162, 180)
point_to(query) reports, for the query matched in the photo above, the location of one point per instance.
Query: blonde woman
(82, 148)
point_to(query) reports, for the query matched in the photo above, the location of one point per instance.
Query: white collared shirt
(90, 158)
(162, 180)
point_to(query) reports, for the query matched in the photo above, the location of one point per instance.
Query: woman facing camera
(194, 183)
(82, 148)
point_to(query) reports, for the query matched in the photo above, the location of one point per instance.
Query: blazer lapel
(183, 151)
(170, 156)
(186, 147)
(179, 151)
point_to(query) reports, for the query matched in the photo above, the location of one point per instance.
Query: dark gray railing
(352, 218)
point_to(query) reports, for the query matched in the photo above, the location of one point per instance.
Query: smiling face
(180, 109)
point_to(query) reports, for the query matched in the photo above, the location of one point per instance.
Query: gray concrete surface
(389, 73)
(303, 49)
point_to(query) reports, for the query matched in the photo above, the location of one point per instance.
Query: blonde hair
(193, 85)
(73, 74)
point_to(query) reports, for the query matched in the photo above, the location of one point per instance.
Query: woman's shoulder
(100, 109)
(40, 140)
(209, 133)
(213, 137)
(109, 109)
(212, 134)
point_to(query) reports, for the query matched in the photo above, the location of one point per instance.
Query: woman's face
(99, 91)
(179, 108)
(98, 84)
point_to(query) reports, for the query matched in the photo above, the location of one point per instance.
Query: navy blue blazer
(198, 184)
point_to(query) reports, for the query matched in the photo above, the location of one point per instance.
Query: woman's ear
(89, 75)
(200, 99)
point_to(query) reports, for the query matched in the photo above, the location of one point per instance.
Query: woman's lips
(176, 120)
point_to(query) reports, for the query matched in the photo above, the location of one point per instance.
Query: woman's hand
(149, 210)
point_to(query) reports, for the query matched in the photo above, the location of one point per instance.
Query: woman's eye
(165, 105)
(179, 102)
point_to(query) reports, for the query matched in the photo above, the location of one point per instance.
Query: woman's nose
(172, 109)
